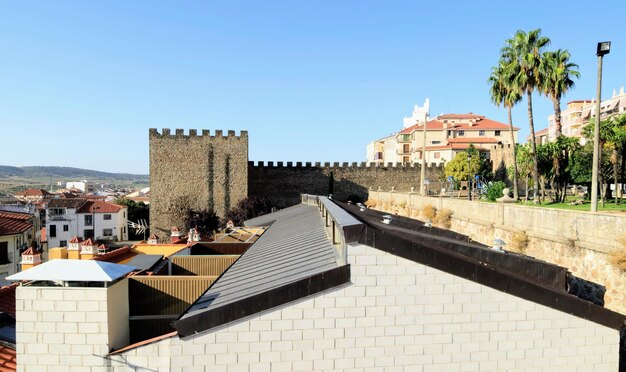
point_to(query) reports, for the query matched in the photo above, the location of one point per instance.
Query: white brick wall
(397, 315)
(67, 328)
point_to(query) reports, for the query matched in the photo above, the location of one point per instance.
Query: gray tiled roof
(294, 247)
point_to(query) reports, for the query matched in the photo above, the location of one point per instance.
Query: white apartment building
(446, 135)
(578, 113)
(16, 234)
(67, 218)
(84, 186)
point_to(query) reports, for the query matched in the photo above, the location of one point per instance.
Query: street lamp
(604, 48)
(469, 177)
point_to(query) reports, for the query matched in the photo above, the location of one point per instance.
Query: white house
(84, 186)
(16, 234)
(67, 218)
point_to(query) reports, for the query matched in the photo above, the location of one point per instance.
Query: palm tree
(557, 72)
(504, 92)
(524, 50)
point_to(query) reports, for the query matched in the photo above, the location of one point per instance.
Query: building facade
(66, 218)
(17, 232)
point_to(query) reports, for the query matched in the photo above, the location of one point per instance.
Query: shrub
(518, 243)
(429, 212)
(205, 221)
(444, 218)
(248, 208)
(494, 190)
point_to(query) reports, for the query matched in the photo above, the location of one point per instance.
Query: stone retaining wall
(579, 241)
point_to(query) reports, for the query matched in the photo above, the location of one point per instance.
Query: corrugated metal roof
(294, 247)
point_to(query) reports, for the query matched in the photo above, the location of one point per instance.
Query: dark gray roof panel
(342, 217)
(294, 247)
(145, 261)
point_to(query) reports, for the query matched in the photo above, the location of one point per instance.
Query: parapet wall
(284, 182)
(197, 171)
(501, 156)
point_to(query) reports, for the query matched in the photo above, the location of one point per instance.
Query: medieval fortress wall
(202, 171)
(196, 171)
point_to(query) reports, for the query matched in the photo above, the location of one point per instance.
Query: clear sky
(82, 81)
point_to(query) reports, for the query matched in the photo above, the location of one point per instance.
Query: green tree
(504, 91)
(462, 169)
(557, 79)
(524, 161)
(524, 52)
(250, 207)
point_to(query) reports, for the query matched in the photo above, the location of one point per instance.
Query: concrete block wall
(579, 241)
(396, 315)
(67, 328)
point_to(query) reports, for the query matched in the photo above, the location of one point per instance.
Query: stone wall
(395, 315)
(194, 171)
(501, 157)
(579, 241)
(283, 183)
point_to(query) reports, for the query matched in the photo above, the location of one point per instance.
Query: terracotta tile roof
(431, 125)
(67, 195)
(99, 207)
(483, 124)
(8, 361)
(460, 116)
(66, 202)
(12, 223)
(30, 252)
(153, 237)
(118, 256)
(541, 132)
(76, 239)
(33, 192)
(473, 140)
(7, 299)
(453, 146)
(87, 242)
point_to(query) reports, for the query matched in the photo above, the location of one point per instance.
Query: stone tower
(197, 172)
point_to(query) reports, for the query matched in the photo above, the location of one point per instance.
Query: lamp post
(604, 48)
(423, 168)
(469, 177)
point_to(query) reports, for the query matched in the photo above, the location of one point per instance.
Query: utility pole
(423, 168)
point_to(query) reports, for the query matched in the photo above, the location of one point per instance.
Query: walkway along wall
(577, 240)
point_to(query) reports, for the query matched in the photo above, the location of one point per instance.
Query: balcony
(58, 217)
(404, 151)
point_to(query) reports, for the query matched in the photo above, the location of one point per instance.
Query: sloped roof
(460, 116)
(99, 206)
(8, 361)
(119, 256)
(12, 223)
(483, 124)
(66, 202)
(473, 140)
(33, 192)
(431, 125)
(74, 271)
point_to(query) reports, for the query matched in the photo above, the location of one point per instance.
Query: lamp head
(604, 47)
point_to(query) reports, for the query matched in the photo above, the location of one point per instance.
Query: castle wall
(283, 183)
(195, 171)
(501, 156)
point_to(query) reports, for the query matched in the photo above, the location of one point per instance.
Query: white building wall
(65, 329)
(116, 222)
(397, 315)
(70, 219)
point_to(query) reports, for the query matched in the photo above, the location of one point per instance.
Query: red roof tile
(431, 125)
(144, 342)
(119, 255)
(12, 223)
(99, 207)
(76, 239)
(30, 252)
(87, 242)
(7, 299)
(8, 360)
(483, 124)
(460, 116)
(33, 192)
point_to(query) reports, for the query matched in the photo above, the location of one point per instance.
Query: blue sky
(81, 82)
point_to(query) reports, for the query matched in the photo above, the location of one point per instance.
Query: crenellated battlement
(338, 165)
(193, 133)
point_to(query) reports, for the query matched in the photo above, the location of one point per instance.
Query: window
(406, 137)
(435, 142)
(449, 133)
(481, 132)
(63, 243)
(406, 148)
(405, 159)
(66, 227)
(461, 133)
(379, 156)
(53, 231)
(4, 253)
(88, 220)
(497, 133)
(107, 217)
(437, 154)
(107, 232)
(88, 233)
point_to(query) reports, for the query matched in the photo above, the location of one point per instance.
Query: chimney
(73, 250)
(153, 239)
(175, 235)
(30, 258)
(87, 249)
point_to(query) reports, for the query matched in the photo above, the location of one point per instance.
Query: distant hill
(67, 173)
